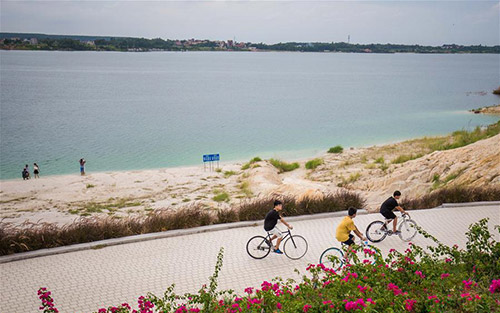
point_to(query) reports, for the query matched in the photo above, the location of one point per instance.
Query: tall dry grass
(29, 237)
(452, 195)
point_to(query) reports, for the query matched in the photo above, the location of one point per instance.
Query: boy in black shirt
(389, 205)
(270, 225)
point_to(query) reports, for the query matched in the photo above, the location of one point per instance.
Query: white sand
(61, 199)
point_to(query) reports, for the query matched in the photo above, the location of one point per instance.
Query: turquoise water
(123, 111)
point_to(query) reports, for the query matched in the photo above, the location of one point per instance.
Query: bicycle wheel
(407, 230)
(332, 258)
(295, 247)
(375, 232)
(258, 248)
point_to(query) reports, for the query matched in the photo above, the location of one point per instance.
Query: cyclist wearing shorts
(270, 225)
(343, 233)
(389, 205)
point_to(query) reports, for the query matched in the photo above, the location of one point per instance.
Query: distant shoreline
(35, 41)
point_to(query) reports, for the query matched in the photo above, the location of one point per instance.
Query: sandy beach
(371, 171)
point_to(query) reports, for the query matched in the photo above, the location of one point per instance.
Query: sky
(402, 22)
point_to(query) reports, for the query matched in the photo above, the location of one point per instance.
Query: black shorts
(388, 214)
(349, 241)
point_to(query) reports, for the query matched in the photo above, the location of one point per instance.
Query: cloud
(422, 22)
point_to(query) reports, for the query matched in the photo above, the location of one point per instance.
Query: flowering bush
(436, 279)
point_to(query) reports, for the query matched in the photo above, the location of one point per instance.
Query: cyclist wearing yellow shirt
(345, 227)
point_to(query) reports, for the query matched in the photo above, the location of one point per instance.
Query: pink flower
(495, 286)
(394, 288)
(362, 289)
(419, 273)
(443, 276)
(467, 284)
(249, 290)
(306, 308)
(410, 304)
(194, 310)
(278, 305)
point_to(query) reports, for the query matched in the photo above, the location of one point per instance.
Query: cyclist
(387, 207)
(270, 225)
(343, 233)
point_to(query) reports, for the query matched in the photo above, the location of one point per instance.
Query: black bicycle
(377, 230)
(294, 246)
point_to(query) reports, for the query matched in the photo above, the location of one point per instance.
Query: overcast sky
(407, 22)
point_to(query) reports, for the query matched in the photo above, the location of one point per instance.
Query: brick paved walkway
(87, 280)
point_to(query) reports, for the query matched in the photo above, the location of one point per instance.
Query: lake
(125, 111)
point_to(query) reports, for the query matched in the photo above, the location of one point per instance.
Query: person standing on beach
(26, 172)
(36, 170)
(82, 166)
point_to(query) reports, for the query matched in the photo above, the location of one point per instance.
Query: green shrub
(252, 161)
(336, 149)
(314, 163)
(379, 160)
(220, 197)
(284, 166)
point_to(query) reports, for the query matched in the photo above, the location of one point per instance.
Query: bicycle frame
(403, 218)
(288, 234)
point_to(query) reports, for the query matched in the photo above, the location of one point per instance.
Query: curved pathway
(86, 280)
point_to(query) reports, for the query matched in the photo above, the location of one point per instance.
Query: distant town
(33, 41)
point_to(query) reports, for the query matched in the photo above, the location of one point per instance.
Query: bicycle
(294, 246)
(335, 258)
(377, 230)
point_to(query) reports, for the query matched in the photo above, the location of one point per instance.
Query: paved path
(84, 281)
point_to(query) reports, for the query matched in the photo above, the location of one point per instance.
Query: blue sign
(211, 157)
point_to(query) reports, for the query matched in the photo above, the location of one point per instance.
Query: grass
(452, 195)
(406, 157)
(245, 188)
(89, 186)
(229, 174)
(221, 196)
(457, 139)
(314, 163)
(336, 149)
(379, 160)
(252, 161)
(438, 183)
(283, 166)
(352, 178)
(94, 207)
